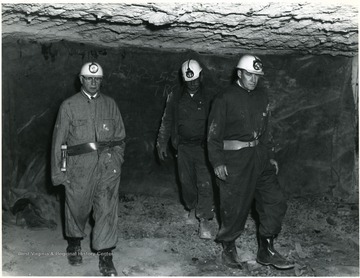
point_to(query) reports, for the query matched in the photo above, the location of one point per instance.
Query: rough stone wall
(313, 122)
(218, 28)
(312, 111)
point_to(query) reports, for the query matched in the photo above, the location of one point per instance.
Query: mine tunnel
(310, 57)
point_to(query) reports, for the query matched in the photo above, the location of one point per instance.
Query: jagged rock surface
(221, 28)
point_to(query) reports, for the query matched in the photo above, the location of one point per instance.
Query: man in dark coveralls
(241, 153)
(87, 154)
(185, 121)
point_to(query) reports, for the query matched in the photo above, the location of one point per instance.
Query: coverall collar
(242, 87)
(197, 93)
(88, 95)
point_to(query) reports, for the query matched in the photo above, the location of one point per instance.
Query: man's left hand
(274, 162)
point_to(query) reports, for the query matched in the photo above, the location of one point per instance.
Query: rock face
(214, 28)
(313, 110)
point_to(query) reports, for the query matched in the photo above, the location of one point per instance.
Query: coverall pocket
(107, 129)
(72, 167)
(118, 158)
(79, 129)
(110, 161)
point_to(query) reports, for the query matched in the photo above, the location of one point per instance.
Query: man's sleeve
(267, 138)
(119, 132)
(166, 122)
(60, 134)
(217, 119)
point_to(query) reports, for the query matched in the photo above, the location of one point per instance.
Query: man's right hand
(221, 172)
(162, 152)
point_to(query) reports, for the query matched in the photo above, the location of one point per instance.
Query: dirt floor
(319, 234)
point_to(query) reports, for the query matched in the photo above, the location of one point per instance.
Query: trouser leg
(187, 176)
(79, 195)
(270, 202)
(204, 186)
(236, 193)
(106, 200)
(78, 203)
(235, 204)
(271, 207)
(75, 219)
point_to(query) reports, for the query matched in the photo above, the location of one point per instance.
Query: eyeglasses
(88, 78)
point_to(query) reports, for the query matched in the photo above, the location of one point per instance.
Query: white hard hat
(190, 70)
(251, 64)
(91, 69)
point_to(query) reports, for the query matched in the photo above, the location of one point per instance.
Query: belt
(90, 147)
(234, 145)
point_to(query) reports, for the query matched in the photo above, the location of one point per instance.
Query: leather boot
(106, 265)
(267, 255)
(204, 229)
(190, 217)
(74, 251)
(229, 255)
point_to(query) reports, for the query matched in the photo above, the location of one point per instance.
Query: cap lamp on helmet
(91, 69)
(251, 64)
(190, 70)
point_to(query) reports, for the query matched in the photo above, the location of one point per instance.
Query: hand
(119, 158)
(120, 151)
(162, 152)
(273, 162)
(221, 172)
(67, 182)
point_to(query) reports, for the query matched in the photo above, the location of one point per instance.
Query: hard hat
(91, 69)
(251, 64)
(190, 70)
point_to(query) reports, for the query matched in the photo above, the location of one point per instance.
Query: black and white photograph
(180, 138)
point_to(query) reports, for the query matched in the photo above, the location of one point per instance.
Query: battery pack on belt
(234, 145)
(90, 147)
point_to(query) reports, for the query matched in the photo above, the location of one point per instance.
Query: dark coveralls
(241, 115)
(92, 179)
(185, 121)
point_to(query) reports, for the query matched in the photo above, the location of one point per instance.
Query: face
(91, 84)
(193, 85)
(248, 80)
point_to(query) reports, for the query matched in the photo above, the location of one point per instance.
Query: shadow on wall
(313, 113)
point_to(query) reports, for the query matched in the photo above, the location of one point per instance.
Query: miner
(87, 155)
(185, 122)
(242, 155)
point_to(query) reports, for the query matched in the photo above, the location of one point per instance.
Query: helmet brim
(257, 72)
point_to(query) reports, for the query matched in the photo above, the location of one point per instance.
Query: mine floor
(319, 234)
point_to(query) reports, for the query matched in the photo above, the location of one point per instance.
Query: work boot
(267, 255)
(204, 229)
(190, 217)
(229, 255)
(74, 251)
(106, 265)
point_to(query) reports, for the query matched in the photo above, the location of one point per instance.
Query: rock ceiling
(214, 28)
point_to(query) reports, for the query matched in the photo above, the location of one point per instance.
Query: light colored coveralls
(92, 179)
